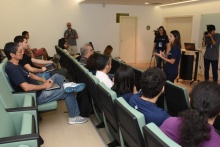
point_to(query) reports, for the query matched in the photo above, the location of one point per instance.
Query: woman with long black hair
(172, 59)
(124, 80)
(194, 127)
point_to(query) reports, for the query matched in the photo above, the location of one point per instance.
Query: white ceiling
(134, 2)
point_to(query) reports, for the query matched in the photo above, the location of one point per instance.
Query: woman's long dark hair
(164, 31)
(205, 103)
(108, 50)
(124, 80)
(177, 41)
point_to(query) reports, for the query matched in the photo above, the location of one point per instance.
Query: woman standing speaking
(172, 59)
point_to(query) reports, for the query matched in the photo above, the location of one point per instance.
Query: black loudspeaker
(186, 67)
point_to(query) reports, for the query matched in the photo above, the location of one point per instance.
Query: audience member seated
(62, 43)
(103, 65)
(108, 51)
(23, 81)
(92, 45)
(152, 85)
(86, 51)
(91, 63)
(124, 82)
(28, 62)
(2, 55)
(36, 52)
(194, 127)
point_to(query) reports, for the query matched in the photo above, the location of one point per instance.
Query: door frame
(120, 34)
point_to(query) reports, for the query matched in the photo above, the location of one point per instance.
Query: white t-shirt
(104, 78)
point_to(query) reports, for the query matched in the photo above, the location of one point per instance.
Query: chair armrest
(20, 138)
(23, 92)
(18, 95)
(28, 124)
(24, 100)
(17, 113)
(23, 145)
(33, 108)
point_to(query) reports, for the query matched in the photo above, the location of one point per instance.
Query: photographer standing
(71, 35)
(211, 41)
(161, 43)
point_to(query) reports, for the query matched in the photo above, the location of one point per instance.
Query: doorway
(128, 29)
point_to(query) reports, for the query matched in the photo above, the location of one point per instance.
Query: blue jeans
(214, 64)
(45, 75)
(57, 94)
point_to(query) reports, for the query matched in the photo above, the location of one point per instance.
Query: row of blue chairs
(124, 125)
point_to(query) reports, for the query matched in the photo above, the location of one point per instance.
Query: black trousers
(84, 102)
(171, 76)
(214, 64)
(62, 71)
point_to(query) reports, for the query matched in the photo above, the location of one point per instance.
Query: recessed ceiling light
(146, 3)
(79, 1)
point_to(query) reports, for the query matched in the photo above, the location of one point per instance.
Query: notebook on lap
(190, 46)
(50, 67)
(56, 59)
(55, 86)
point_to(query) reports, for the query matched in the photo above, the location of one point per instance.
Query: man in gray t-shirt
(71, 36)
(211, 41)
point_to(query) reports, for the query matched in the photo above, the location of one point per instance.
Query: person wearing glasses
(86, 51)
(22, 81)
(71, 36)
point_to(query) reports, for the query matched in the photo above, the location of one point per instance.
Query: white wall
(46, 21)
(195, 10)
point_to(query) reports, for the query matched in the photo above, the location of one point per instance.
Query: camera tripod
(151, 61)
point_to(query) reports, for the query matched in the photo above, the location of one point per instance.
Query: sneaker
(73, 87)
(77, 120)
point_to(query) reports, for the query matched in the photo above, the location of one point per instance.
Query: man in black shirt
(24, 81)
(28, 62)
